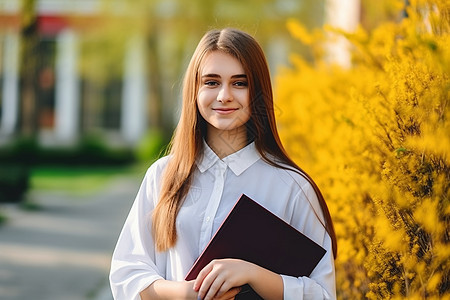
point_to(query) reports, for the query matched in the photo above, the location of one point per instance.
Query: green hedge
(14, 181)
(15, 163)
(18, 158)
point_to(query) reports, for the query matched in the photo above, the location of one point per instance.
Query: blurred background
(89, 97)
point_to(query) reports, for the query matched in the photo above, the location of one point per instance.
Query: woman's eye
(240, 83)
(211, 83)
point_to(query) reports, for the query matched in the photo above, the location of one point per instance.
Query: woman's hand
(222, 278)
(179, 290)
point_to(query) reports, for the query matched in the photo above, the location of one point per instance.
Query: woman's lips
(225, 111)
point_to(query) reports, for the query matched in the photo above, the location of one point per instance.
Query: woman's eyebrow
(211, 76)
(218, 76)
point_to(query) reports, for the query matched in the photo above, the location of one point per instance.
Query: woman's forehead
(220, 63)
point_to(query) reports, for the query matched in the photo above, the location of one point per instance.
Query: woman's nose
(225, 94)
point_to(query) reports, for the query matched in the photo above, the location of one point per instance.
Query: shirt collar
(238, 161)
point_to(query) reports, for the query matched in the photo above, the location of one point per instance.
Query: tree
(28, 69)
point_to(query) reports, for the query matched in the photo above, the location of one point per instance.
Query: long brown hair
(187, 146)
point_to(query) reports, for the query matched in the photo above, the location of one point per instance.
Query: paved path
(63, 250)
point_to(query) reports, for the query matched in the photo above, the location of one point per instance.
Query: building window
(101, 105)
(112, 101)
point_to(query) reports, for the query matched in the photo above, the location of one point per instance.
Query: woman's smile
(224, 110)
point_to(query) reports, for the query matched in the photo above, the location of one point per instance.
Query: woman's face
(223, 95)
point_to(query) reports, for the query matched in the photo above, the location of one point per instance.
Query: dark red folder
(253, 233)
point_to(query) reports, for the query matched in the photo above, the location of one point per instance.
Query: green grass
(76, 180)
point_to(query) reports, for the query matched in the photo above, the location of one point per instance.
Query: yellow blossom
(375, 139)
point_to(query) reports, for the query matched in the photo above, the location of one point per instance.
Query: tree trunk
(28, 119)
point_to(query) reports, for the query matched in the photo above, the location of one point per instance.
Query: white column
(10, 93)
(345, 15)
(134, 106)
(67, 104)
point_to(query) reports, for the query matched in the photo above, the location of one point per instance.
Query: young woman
(226, 144)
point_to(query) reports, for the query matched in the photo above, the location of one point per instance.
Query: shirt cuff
(302, 288)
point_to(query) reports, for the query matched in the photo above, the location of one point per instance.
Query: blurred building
(65, 105)
(44, 94)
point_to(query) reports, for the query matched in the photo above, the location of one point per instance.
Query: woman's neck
(226, 142)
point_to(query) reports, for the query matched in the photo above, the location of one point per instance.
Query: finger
(225, 288)
(211, 285)
(230, 294)
(201, 276)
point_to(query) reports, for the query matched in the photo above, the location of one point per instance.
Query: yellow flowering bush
(376, 138)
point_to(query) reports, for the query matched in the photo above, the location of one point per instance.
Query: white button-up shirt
(217, 184)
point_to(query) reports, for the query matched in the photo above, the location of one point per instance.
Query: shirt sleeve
(321, 284)
(134, 260)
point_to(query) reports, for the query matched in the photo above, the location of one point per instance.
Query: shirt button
(207, 219)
